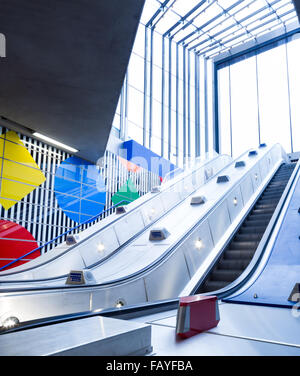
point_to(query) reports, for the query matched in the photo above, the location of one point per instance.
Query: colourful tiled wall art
(15, 241)
(79, 189)
(20, 174)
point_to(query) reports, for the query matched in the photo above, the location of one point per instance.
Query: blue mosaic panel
(79, 189)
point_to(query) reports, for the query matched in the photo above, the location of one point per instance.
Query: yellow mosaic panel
(20, 174)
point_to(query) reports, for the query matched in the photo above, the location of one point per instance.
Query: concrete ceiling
(65, 65)
(297, 6)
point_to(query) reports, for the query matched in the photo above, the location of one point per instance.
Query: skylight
(210, 27)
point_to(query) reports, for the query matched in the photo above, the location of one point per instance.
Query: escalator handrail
(126, 312)
(64, 234)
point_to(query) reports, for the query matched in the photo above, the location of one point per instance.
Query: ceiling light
(52, 141)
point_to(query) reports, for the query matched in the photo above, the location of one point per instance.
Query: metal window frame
(173, 87)
(227, 60)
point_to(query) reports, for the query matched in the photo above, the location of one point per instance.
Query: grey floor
(243, 330)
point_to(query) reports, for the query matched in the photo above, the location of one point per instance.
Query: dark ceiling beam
(297, 6)
(65, 65)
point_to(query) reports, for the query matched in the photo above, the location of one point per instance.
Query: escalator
(146, 272)
(239, 252)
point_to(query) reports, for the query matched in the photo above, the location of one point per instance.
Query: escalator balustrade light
(240, 164)
(255, 176)
(10, 322)
(159, 234)
(120, 210)
(263, 145)
(235, 201)
(100, 247)
(198, 200)
(255, 296)
(223, 179)
(186, 187)
(151, 213)
(252, 153)
(199, 244)
(155, 190)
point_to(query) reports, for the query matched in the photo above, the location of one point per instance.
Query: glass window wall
(258, 98)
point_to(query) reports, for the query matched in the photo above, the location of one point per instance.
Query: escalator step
(236, 254)
(247, 237)
(275, 190)
(252, 230)
(249, 245)
(269, 197)
(262, 219)
(225, 275)
(263, 211)
(259, 217)
(250, 224)
(274, 196)
(267, 202)
(212, 286)
(233, 264)
(277, 185)
(265, 206)
(281, 174)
